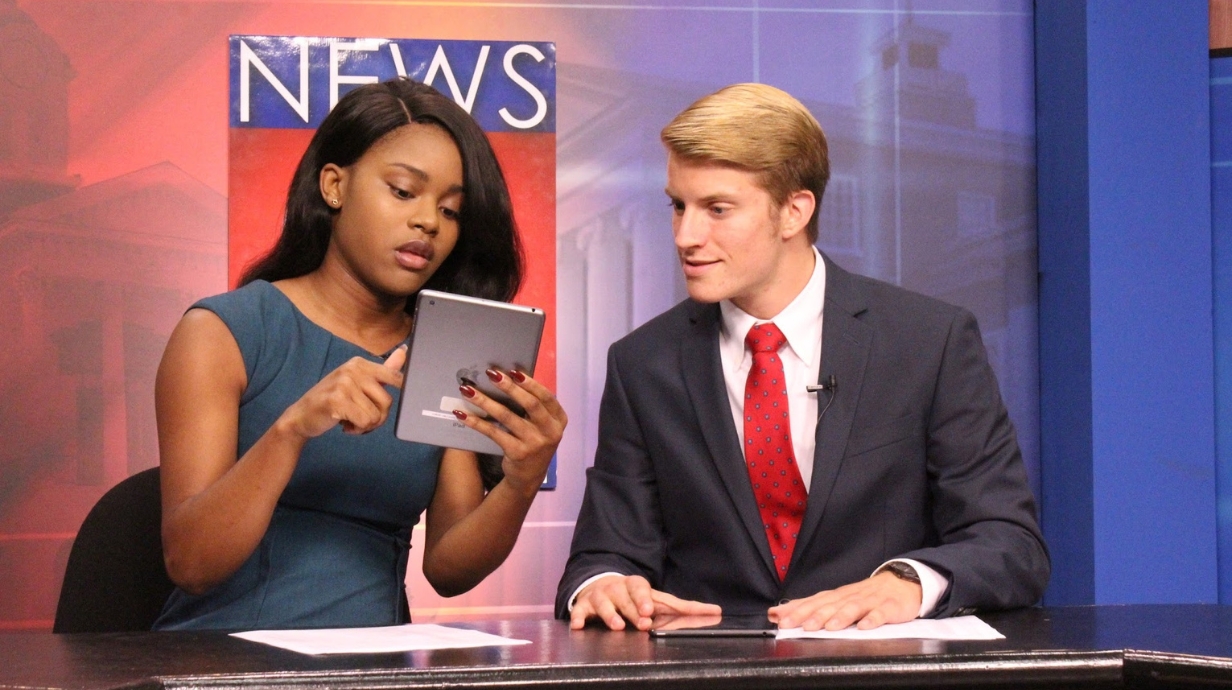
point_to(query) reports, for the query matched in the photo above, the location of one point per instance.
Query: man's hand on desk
(882, 598)
(618, 598)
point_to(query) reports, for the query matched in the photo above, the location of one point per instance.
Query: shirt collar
(800, 320)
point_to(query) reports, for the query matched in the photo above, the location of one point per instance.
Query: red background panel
(262, 162)
(529, 164)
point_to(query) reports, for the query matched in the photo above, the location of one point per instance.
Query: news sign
(293, 82)
(282, 87)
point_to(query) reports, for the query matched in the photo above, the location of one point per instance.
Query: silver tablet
(453, 340)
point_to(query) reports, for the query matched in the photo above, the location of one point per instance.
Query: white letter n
(249, 59)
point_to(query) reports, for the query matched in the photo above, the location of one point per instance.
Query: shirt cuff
(585, 584)
(932, 584)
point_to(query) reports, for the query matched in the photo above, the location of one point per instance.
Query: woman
(287, 500)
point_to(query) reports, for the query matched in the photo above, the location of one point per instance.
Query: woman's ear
(333, 185)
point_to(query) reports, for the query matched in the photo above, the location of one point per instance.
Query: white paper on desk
(394, 638)
(957, 628)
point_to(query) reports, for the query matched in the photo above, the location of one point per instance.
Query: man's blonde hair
(759, 129)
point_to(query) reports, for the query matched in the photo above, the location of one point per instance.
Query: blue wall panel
(1151, 328)
(1066, 509)
(1149, 291)
(1221, 224)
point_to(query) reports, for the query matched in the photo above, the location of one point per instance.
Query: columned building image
(918, 196)
(92, 280)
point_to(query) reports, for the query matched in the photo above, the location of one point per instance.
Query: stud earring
(333, 202)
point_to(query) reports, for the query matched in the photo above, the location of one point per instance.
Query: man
(725, 480)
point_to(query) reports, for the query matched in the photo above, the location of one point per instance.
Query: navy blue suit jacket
(916, 458)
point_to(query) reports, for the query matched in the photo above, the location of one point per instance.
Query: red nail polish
(460, 415)
(495, 375)
(467, 391)
(517, 376)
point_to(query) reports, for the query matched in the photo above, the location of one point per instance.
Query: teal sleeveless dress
(335, 553)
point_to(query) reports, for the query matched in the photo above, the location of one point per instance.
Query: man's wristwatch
(902, 571)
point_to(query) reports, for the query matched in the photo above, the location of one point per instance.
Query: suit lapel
(703, 379)
(845, 344)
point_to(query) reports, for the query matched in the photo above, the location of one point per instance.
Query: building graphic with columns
(918, 196)
(92, 280)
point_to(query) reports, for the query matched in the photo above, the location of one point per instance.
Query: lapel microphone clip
(829, 385)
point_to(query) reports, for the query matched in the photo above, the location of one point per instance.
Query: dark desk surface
(1122, 646)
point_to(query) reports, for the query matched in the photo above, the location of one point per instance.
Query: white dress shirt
(801, 322)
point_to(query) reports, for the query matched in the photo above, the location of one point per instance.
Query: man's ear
(795, 213)
(333, 185)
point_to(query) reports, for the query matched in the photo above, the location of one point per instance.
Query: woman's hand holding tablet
(455, 339)
(528, 442)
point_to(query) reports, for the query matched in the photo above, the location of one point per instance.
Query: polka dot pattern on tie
(767, 442)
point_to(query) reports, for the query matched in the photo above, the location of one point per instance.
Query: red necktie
(768, 451)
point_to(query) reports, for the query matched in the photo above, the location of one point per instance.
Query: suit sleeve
(982, 507)
(619, 526)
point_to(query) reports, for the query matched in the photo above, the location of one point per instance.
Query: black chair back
(116, 580)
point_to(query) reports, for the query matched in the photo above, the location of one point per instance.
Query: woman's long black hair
(487, 259)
